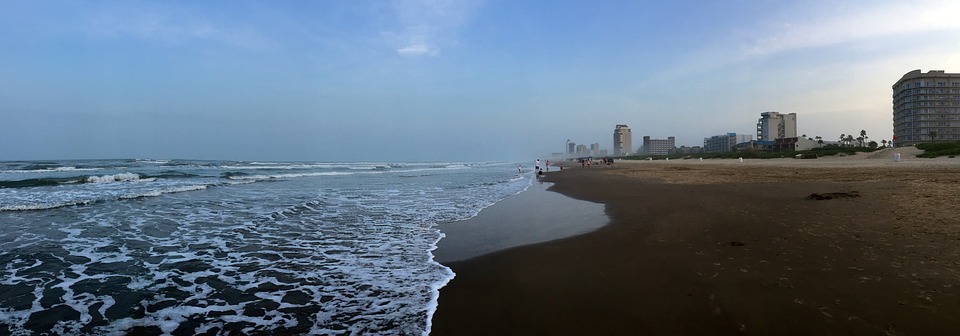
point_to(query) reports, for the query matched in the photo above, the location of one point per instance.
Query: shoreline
(532, 216)
(727, 248)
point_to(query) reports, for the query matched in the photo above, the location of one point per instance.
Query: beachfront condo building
(622, 141)
(724, 143)
(571, 147)
(658, 146)
(926, 107)
(776, 125)
(582, 150)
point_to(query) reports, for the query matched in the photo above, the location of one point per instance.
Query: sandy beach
(855, 245)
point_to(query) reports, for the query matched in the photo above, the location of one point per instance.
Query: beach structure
(926, 107)
(622, 141)
(724, 143)
(776, 125)
(658, 146)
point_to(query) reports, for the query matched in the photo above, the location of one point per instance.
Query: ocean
(188, 247)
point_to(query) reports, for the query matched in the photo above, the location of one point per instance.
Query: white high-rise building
(776, 125)
(622, 141)
(926, 107)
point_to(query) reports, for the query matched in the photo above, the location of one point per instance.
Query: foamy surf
(185, 248)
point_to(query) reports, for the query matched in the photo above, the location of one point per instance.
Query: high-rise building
(776, 125)
(582, 150)
(571, 147)
(658, 146)
(622, 141)
(926, 107)
(595, 149)
(724, 143)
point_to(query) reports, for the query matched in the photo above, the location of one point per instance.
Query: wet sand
(721, 247)
(533, 216)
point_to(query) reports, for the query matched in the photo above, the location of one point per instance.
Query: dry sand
(726, 247)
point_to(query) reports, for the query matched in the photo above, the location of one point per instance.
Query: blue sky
(445, 80)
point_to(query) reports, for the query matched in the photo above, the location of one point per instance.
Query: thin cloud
(808, 28)
(426, 25)
(171, 28)
(892, 20)
(418, 50)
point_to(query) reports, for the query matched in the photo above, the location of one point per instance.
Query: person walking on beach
(548, 165)
(537, 167)
(519, 169)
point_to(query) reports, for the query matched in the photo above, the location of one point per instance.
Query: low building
(658, 146)
(724, 143)
(792, 144)
(690, 150)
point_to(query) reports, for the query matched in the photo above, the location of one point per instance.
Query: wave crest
(122, 177)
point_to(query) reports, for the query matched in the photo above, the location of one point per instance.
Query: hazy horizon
(436, 80)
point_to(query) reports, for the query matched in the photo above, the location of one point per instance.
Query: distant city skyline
(445, 80)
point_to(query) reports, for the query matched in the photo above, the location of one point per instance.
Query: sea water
(179, 247)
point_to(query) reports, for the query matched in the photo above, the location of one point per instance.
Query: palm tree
(820, 141)
(843, 138)
(884, 142)
(849, 139)
(933, 135)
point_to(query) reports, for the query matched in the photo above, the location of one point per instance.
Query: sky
(445, 80)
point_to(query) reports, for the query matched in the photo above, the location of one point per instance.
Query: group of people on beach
(584, 162)
(536, 168)
(587, 162)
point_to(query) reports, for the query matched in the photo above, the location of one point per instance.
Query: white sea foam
(169, 190)
(153, 161)
(285, 176)
(306, 166)
(436, 286)
(47, 170)
(122, 177)
(347, 253)
(42, 206)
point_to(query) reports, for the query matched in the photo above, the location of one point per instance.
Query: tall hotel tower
(622, 143)
(775, 125)
(926, 107)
